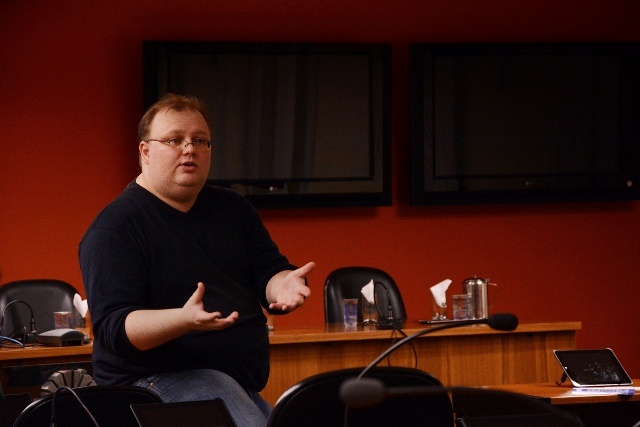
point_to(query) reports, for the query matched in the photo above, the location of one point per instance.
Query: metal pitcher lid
(476, 280)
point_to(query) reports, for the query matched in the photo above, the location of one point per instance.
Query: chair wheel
(66, 378)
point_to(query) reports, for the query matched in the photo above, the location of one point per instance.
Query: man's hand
(150, 328)
(287, 290)
(203, 320)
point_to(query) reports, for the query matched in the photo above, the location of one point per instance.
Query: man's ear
(143, 148)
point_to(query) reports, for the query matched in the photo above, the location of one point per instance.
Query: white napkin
(80, 305)
(368, 291)
(439, 292)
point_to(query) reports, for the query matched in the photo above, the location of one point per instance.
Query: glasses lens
(177, 142)
(201, 143)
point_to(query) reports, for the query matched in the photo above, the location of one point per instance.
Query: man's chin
(191, 181)
(189, 188)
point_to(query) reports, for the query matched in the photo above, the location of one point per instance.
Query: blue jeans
(247, 408)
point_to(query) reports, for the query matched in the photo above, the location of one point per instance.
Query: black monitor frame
(431, 188)
(369, 186)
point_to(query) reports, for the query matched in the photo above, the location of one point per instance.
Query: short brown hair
(170, 101)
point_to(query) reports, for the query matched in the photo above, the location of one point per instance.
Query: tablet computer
(213, 413)
(592, 368)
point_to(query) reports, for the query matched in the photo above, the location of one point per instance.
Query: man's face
(176, 173)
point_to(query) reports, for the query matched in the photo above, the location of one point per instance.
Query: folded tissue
(439, 292)
(439, 300)
(80, 305)
(368, 292)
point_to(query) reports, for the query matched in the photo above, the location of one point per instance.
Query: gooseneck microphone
(498, 321)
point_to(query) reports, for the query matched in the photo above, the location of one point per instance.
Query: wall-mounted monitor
(515, 122)
(293, 124)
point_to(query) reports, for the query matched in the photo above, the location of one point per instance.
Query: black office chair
(109, 405)
(347, 282)
(315, 402)
(475, 407)
(43, 296)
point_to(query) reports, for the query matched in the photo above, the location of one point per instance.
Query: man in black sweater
(177, 272)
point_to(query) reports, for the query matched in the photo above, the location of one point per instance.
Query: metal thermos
(479, 290)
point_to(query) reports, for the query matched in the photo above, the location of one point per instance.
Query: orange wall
(71, 97)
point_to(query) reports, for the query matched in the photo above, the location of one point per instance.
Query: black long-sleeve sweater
(140, 253)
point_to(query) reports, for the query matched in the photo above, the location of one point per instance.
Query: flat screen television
(293, 124)
(519, 122)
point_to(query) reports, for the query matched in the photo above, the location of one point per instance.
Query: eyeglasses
(198, 143)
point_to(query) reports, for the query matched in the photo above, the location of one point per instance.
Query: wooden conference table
(466, 356)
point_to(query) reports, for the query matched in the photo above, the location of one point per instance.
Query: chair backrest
(476, 407)
(347, 282)
(314, 402)
(44, 296)
(109, 405)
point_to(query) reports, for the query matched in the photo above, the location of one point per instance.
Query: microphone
(498, 321)
(389, 322)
